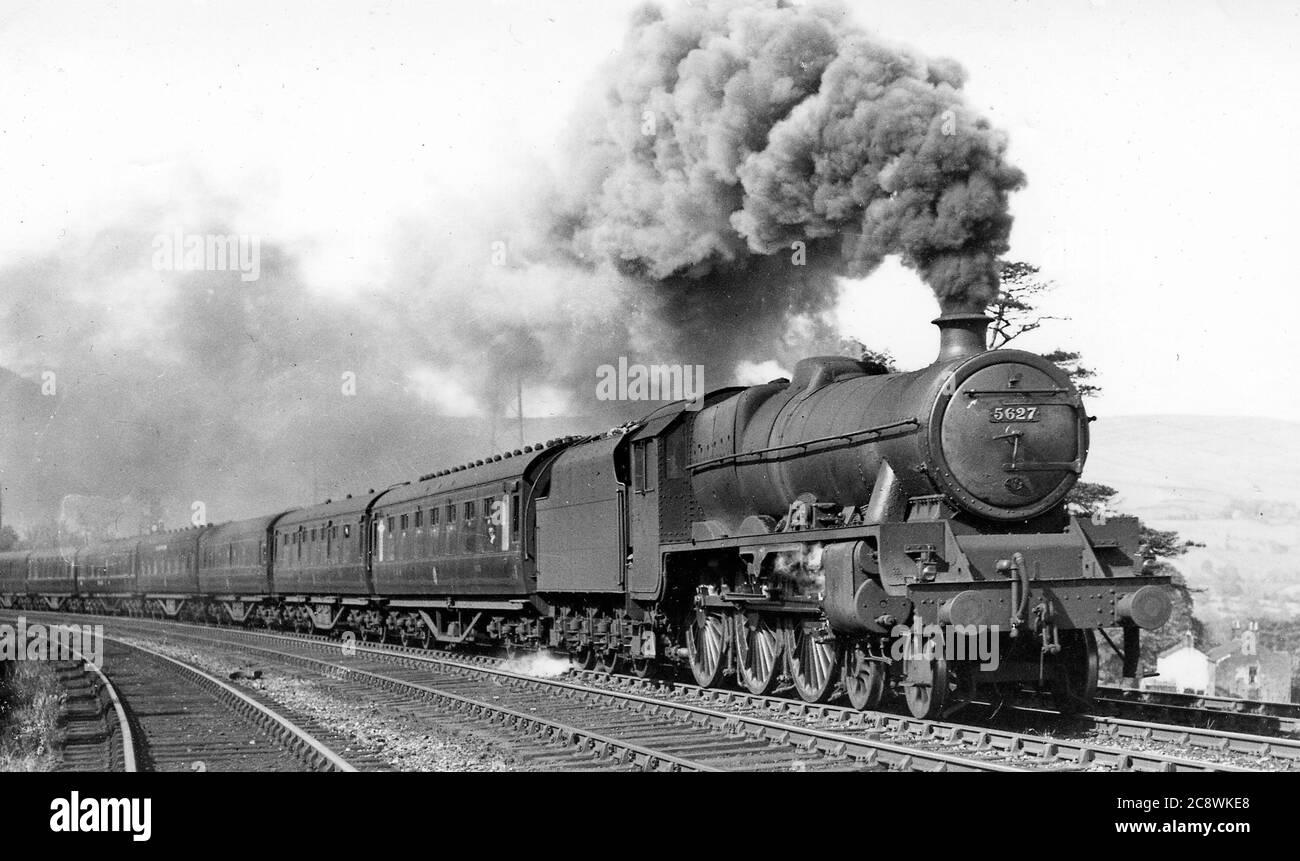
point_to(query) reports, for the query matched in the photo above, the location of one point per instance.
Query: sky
(1160, 142)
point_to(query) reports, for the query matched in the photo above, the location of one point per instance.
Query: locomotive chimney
(961, 335)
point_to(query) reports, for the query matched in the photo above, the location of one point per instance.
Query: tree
(8, 539)
(1088, 498)
(1015, 312)
(1070, 361)
(877, 361)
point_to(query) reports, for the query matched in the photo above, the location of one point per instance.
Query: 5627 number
(1013, 414)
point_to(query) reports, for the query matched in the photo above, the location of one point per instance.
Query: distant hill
(1232, 483)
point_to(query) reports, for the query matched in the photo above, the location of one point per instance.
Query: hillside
(1232, 483)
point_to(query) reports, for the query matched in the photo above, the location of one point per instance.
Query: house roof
(1267, 659)
(1218, 653)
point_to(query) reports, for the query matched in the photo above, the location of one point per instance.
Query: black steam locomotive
(845, 528)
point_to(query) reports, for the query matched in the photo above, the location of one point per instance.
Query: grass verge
(31, 707)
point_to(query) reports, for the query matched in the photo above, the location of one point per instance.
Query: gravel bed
(396, 735)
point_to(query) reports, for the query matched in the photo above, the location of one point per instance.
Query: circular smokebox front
(1010, 438)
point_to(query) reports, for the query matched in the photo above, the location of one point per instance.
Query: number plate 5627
(1013, 414)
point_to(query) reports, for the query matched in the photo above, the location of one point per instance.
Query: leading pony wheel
(1074, 682)
(927, 681)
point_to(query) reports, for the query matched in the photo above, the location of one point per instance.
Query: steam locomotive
(848, 530)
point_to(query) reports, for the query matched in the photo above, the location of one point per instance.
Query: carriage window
(391, 521)
(419, 518)
(449, 543)
(347, 530)
(489, 524)
(433, 516)
(406, 521)
(471, 542)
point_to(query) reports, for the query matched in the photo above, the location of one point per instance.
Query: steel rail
(864, 749)
(1047, 748)
(978, 737)
(1287, 714)
(293, 737)
(125, 736)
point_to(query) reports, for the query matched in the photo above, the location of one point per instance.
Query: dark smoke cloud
(725, 134)
(770, 125)
(176, 387)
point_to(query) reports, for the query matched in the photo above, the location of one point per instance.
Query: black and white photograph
(496, 390)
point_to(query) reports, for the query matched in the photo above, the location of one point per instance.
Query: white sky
(1161, 141)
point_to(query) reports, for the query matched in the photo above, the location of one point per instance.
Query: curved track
(98, 732)
(737, 713)
(176, 717)
(643, 731)
(1117, 744)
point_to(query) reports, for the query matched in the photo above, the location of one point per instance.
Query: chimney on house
(1249, 639)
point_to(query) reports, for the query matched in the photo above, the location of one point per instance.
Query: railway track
(1277, 750)
(1037, 734)
(774, 715)
(1258, 716)
(625, 728)
(1127, 745)
(167, 715)
(98, 734)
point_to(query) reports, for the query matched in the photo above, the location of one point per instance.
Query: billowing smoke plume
(729, 137)
(732, 163)
(132, 394)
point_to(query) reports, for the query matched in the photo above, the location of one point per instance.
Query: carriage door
(376, 536)
(643, 577)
